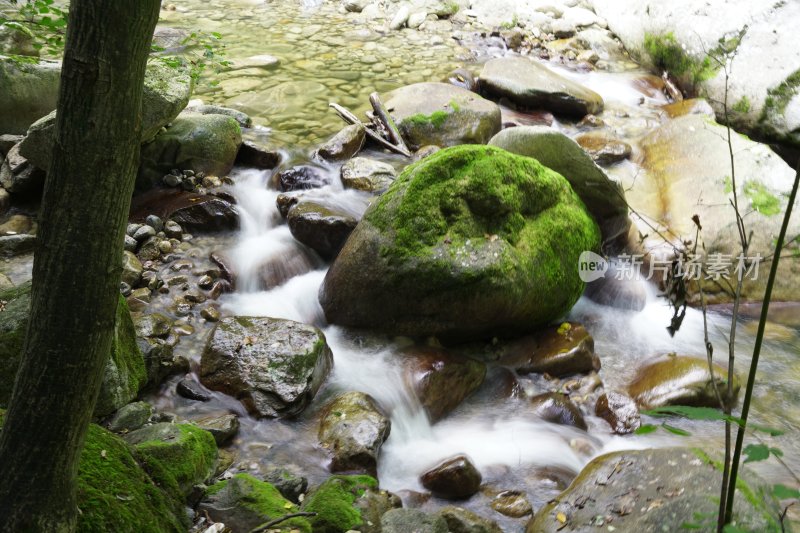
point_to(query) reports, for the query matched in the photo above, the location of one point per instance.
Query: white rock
(415, 20)
(400, 18)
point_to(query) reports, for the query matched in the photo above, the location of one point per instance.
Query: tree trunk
(77, 266)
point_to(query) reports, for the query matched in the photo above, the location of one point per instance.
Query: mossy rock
(335, 502)
(470, 242)
(177, 456)
(116, 494)
(243, 503)
(124, 373)
(627, 485)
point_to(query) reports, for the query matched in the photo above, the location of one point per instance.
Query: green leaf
(644, 429)
(756, 452)
(773, 432)
(675, 431)
(729, 528)
(782, 492)
(692, 413)
(728, 185)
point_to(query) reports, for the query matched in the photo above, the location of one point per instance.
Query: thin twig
(350, 118)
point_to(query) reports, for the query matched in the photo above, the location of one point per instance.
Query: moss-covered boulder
(654, 490)
(470, 242)
(680, 380)
(201, 143)
(116, 494)
(441, 114)
(344, 503)
(30, 91)
(125, 371)
(243, 503)
(177, 456)
(273, 366)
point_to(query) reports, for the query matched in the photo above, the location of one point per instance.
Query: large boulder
(763, 92)
(531, 85)
(273, 366)
(680, 380)
(352, 428)
(654, 490)
(687, 173)
(123, 375)
(243, 503)
(442, 114)
(603, 197)
(30, 91)
(18, 176)
(469, 242)
(166, 93)
(196, 142)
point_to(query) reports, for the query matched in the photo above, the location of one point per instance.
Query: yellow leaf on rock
(561, 517)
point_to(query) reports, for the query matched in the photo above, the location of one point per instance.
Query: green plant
(42, 22)
(204, 55)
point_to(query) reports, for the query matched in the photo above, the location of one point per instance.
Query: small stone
(177, 280)
(143, 233)
(171, 180)
(130, 417)
(290, 485)
(453, 479)
(205, 282)
(142, 294)
(124, 288)
(512, 503)
(165, 247)
(154, 222)
(210, 313)
(620, 411)
(224, 427)
(558, 409)
(183, 309)
(195, 296)
(130, 244)
(132, 228)
(173, 230)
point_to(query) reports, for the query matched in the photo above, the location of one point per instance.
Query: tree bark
(77, 265)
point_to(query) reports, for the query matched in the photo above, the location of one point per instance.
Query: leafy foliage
(42, 22)
(203, 52)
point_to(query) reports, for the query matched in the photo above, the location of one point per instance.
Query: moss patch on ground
(668, 54)
(334, 503)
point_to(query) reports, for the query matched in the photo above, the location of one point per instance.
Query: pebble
(192, 390)
(154, 222)
(211, 314)
(144, 233)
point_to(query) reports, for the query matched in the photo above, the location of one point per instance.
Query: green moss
(779, 96)
(668, 54)
(115, 494)
(436, 119)
(260, 498)
(334, 502)
(177, 456)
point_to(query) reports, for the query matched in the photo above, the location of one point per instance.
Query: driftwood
(382, 114)
(350, 118)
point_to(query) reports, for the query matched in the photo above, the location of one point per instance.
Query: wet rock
(529, 84)
(633, 481)
(152, 325)
(344, 144)
(223, 427)
(200, 143)
(190, 211)
(603, 149)
(322, 228)
(160, 359)
(368, 175)
(130, 417)
(225, 265)
(559, 351)
(16, 224)
(451, 253)
(301, 178)
(441, 380)
(680, 380)
(19, 176)
(512, 503)
(558, 409)
(176, 453)
(290, 485)
(337, 502)
(285, 202)
(453, 479)
(442, 114)
(408, 520)
(192, 390)
(243, 503)
(144, 233)
(353, 428)
(463, 78)
(687, 159)
(166, 93)
(251, 154)
(211, 314)
(273, 366)
(463, 521)
(13, 245)
(620, 411)
(604, 198)
(372, 505)
(690, 106)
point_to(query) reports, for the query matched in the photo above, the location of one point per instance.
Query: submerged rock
(353, 428)
(557, 350)
(408, 520)
(300, 178)
(322, 228)
(512, 503)
(453, 479)
(273, 366)
(529, 84)
(603, 149)
(680, 380)
(625, 486)
(443, 115)
(469, 242)
(243, 503)
(557, 408)
(368, 175)
(603, 197)
(440, 380)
